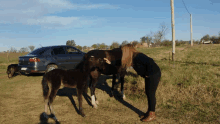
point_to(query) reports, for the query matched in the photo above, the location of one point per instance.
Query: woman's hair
(128, 51)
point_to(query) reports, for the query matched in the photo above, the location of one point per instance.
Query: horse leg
(122, 86)
(92, 89)
(79, 94)
(46, 105)
(19, 73)
(113, 85)
(51, 98)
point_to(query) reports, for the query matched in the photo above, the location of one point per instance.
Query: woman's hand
(107, 61)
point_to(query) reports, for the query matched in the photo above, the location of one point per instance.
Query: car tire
(51, 67)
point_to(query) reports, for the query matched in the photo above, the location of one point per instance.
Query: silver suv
(48, 58)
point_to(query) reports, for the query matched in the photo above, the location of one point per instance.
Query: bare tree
(12, 50)
(159, 35)
(70, 43)
(31, 48)
(23, 49)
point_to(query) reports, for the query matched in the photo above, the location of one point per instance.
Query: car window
(71, 50)
(39, 51)
(58, 50)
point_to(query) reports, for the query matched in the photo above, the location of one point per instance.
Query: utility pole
(173, 28)
(191, 34)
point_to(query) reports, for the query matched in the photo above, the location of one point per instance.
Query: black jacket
(144, 65)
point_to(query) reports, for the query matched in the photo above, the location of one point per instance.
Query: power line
(185, 7)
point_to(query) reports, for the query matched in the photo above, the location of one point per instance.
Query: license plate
(23, 68)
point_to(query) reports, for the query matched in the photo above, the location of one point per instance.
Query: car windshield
(39, 51)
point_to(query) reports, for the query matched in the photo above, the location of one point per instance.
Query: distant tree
(70, 43)
(143, 39)
(98, 45)
(23, 50)
(196, 41)
(31, 48)
(102, 46)
(94, 46)
(124, 42)
(215, 39)
(13, 50)
(160, 35)
(166, 43)
(79, 47)
(84, 47)
(114, 45)
(205, 38)
(177, 43)
(134, 43)
(148, 39)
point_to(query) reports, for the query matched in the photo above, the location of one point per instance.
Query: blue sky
(53, 22)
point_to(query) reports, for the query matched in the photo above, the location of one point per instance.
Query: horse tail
(45, 87)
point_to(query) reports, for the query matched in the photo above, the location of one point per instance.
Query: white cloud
(35, 12)
(68, 5)
(56, 3)
(52, 20)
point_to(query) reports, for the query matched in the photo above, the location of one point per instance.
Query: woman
(146, 68)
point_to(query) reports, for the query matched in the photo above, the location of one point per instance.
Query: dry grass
(188, 93)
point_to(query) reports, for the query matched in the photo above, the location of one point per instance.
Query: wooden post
(173, 28)
(191, 34)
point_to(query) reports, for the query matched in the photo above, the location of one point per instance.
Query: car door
(60, 56)
(75, 56)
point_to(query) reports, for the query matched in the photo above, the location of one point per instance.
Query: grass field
(187, 93)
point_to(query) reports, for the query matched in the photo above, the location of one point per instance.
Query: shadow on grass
(66, 92)
(70, 92)
(102, 84)
(34, 74)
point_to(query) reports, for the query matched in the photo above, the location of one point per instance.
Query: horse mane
(128, 51)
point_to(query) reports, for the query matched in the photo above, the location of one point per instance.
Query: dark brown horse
(114, 56)
(75, 78)
(12, 69)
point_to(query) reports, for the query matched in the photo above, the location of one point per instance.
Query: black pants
(151, 84)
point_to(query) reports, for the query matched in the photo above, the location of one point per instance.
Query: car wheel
(50, 68)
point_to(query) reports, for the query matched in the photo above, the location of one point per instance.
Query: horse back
(111, 55)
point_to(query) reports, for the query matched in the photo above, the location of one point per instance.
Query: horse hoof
(83, 115)
(53, 117)
(44, 117)
(123, 97)
(57, 122)
(111, 94)
(95, 106)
